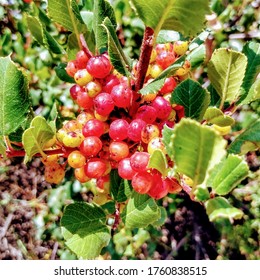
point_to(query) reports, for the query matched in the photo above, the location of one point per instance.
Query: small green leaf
(173, 15)
(201, 193)
(116, 54)
(35, 137)
(159, 162)
(228, 174)
(226, 71)
(62, 74)
(167, 134)
(251, 134)
(216, 116)
(157, 83)
(2, 148)
(84, 229)
(253, 93)
(195, 149)
(219, 207)
(193, 97)
(102, 10)
(14, 97)
(252, 52)
(121, 190)
(163, 217)
(141, 210)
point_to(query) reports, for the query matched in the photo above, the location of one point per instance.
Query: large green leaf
(84, 229)
(195, 149)
(193, 97)
(41, 35)
(116, 54)
(14, 98)
(173, 14)
(219, 207)
(102, 10)
(252, 52)
(120, 189)
(226, 71)
(66, 13)
(216, 116)
(36, 136)
(140, 211)
(228, 174)
(251, 134)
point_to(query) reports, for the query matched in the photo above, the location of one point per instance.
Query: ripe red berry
(95, 168)
(93, 127)
(90, 146)
(84, 101)
(169, 85)
(82, 59)
(125, 169)
(118, 150)
(135, 129)
(118, 129)
(139, 161)
(72, 68)
(162, 106)
(165, 59)
(99, 66)
(104, 104)
(109, 82)
(146, 113)
(74, 90)
(122, 96)
(142, 182)
(158, 189)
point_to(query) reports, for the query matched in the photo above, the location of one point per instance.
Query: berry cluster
(117, 127)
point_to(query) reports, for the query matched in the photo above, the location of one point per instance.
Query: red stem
(85, 46)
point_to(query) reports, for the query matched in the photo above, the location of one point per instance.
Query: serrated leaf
(193, 97)
(14, 97)
(116, 54)
(163, 217)
(62, 74)
(41, 35)
(173, 15)
(216, 116)
(35, 137)
(195, 149)
(253, 93)
(83, 227)
(120, 188)
(141, 210)
(251, 134)
(228, 174)
(219, 207)
(102, 10)
(226, 71)
(252, 52)
(159, 162)
(66, 13)
(157, 83)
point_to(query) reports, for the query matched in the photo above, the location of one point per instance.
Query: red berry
(99, 66)
(158, 189)
(169, 85)
(95, 168)
(82, 59)
(162, 106)
(142, 182)
(90, 146)
(118, 129)
(135, 129)
(104, 104)
(109, 82)
(72, 68)
(118, 150)
(84, 100)
(125, 169)
(122, 96)
(139, 161)
(74, 90)
(165, 59)
(93, 127)
(146, 113)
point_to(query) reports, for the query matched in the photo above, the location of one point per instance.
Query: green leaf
(163, 217)
(102, 10)
(251, 134)
(197, 56)
(252, 52)
(219, 207)
(173, 15)
(226, 71)
(116, 54)
(165, 36)
(14, 98)
(120, 189)
(193, 97)
(167, 134)
(2, 148)
(214, 97)
(216, 116)
(141, 210)
(41, 35)
(158, 161)
(66, 13)
(228, 174)
(201, 193)
(35, 137)
(87, 17)
(157, 83)
(83, 227)
(195, 148)
(253, 94)
(62, 74)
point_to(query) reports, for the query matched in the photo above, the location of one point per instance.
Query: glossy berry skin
(72, 68)
(172, 185)
(118, 129)
(103, 184)
(90, 146)
(162, 106)
(74, 90)
(82, 59)
(84, 101)
(125, 169)
(93, 88)
(72, 139)
(165, 59)
(118, 150)
(80, 175)
(109, 82)
(93, 127)
(135, 129)
(142, 182)
(82, 77)
(146, 113)
(156, 144)
(149, 132)
(99, 66)
(169, 85)
(122, 96)
(95, 168)
(139, 161)
(76, 159)
(159, 189)
(103, 104)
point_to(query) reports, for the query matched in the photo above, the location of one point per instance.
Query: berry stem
(85, 46)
